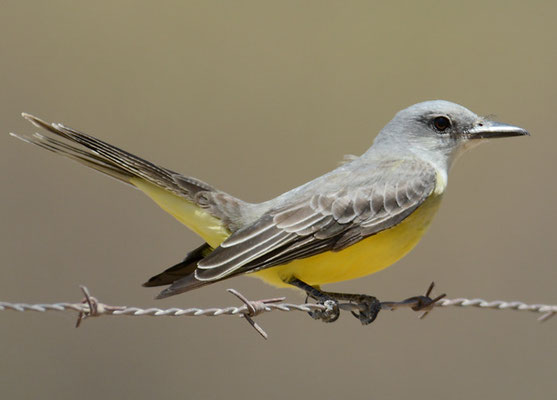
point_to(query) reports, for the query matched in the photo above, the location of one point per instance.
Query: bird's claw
(369, 308)
(329, 314)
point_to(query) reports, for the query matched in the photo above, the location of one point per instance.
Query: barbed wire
(91, 307)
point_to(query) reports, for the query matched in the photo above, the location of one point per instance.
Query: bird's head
(439, 131)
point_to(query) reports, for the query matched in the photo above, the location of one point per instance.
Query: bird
(353, 221)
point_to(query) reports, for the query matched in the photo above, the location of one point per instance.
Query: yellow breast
(363, 258)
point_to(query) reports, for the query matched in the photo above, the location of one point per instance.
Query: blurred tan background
(256, 98)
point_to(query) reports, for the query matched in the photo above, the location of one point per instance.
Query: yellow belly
(363, 258)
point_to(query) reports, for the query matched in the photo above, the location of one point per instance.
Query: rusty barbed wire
(91, 307)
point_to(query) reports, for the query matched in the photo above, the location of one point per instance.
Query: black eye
(441, 123)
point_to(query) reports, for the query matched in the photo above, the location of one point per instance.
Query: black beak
(492, 129)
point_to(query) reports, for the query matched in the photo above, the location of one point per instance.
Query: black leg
(330, 315)
(369, 306)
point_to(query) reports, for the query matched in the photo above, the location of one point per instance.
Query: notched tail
(166, 187)
(207, 211)
(109, 159)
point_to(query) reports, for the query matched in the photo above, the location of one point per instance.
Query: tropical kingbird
(353, 221)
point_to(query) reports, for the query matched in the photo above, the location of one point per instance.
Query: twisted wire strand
(91, 307)
(545, 309)
(104, 309)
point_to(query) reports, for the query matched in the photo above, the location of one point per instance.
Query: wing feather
(328, 221)
(247, 248)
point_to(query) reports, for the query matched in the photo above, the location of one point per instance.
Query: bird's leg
(368, 306)
(331, 314)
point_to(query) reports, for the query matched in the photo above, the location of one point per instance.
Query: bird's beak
(492, 129)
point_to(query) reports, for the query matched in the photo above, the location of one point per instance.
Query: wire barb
(255, 308)
(417, 303)
(91, 307)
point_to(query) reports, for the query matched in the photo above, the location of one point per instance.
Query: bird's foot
(369, 308)
(329, 314)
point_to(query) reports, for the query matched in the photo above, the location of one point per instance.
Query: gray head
(439, 130)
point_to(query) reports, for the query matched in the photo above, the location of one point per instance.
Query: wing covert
(327, 221)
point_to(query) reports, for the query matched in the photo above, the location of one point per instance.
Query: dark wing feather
(184, 268)
(324, 222)
(125, 166)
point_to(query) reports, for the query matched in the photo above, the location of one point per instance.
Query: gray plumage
(123, 166)
(335, 213)
(408, 162)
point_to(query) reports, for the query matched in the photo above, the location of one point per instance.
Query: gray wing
(328, 221)
(125, 166)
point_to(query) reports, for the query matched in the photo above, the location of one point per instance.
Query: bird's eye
(441, 123)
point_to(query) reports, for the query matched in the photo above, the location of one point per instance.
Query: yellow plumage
(364, 258)
(195, 218)
(353, 221)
